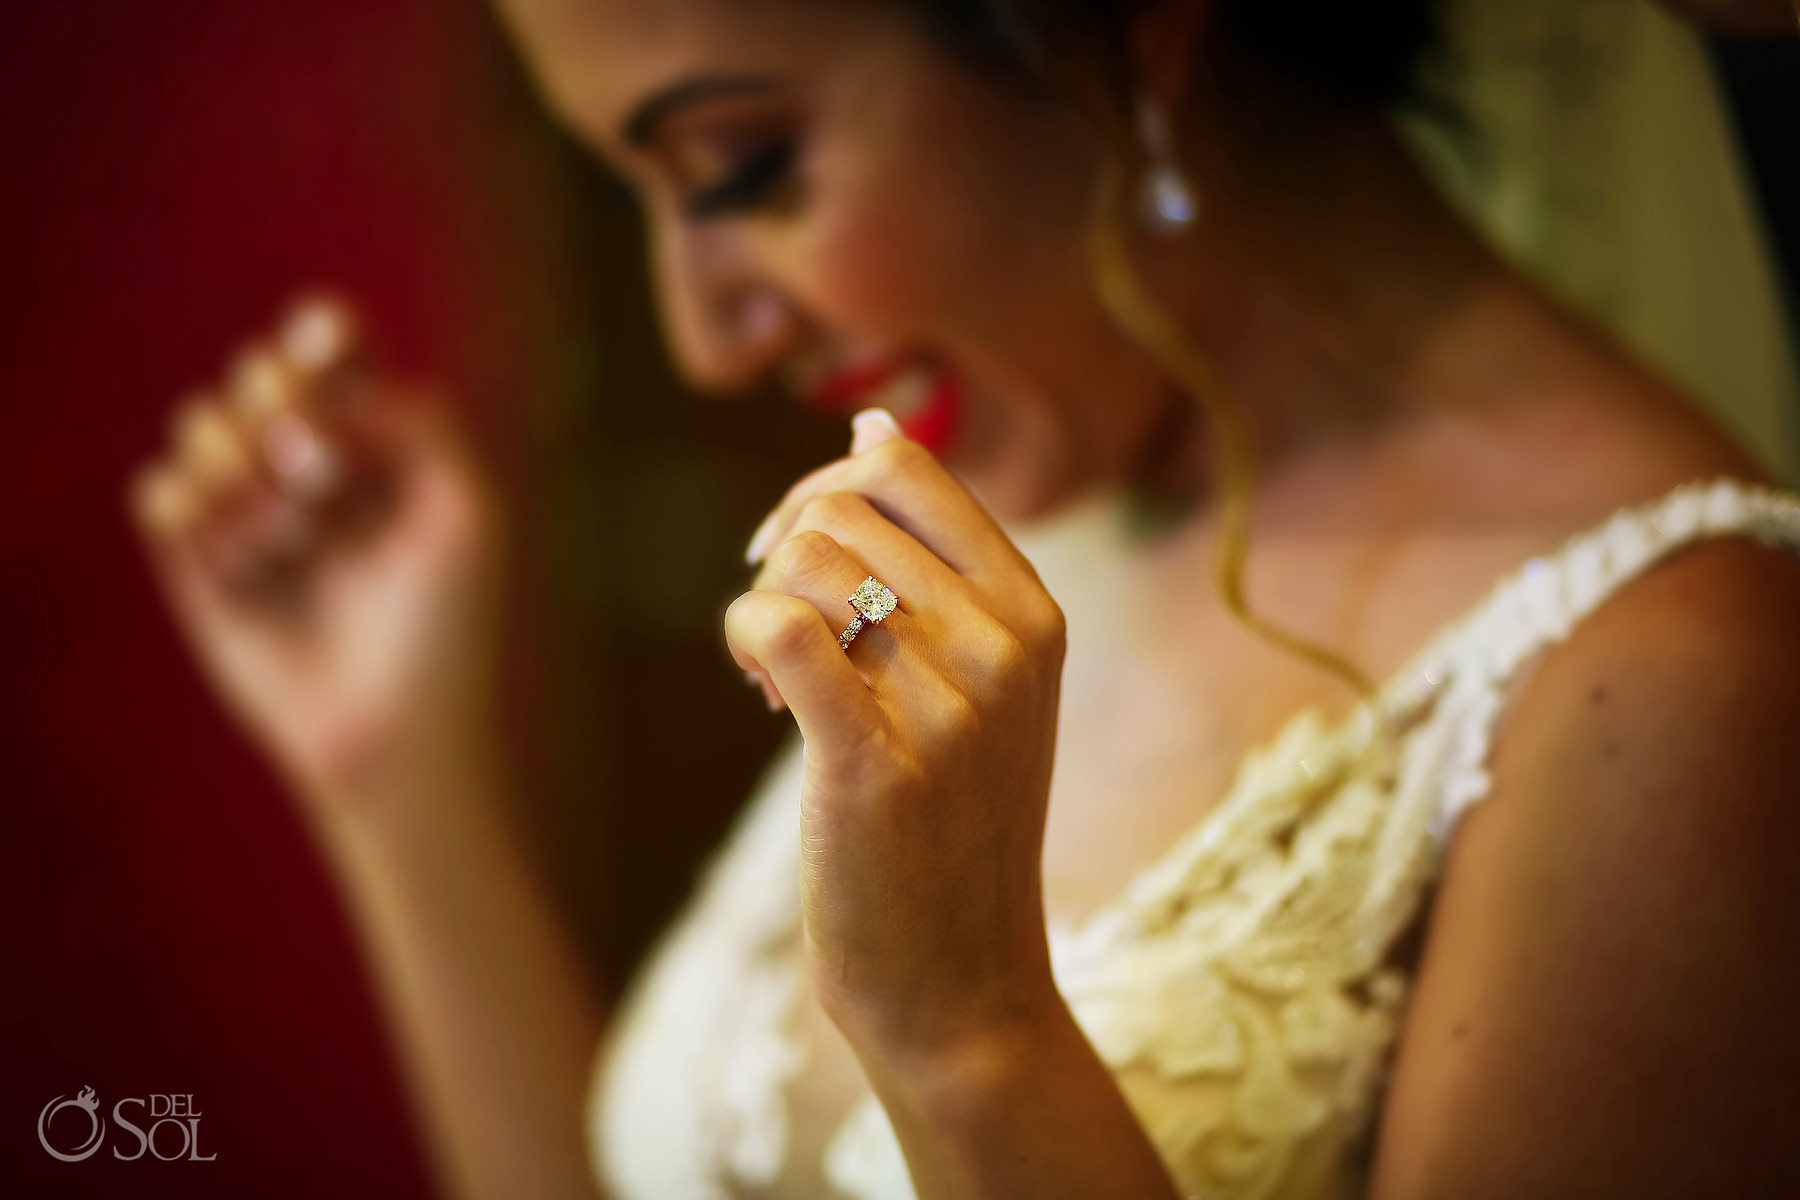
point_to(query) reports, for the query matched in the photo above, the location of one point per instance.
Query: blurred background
(174, 172)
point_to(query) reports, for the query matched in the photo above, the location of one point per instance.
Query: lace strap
(1539, 604)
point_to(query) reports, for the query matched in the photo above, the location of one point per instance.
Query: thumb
(871, 427)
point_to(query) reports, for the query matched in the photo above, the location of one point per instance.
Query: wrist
(1021, 1108)
(957, 1069)
(406, 787)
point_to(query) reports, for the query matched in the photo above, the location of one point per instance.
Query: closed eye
(749, 186)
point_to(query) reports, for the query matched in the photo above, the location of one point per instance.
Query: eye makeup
(745, 188)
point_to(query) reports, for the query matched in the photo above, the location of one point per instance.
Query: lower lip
(933, 424)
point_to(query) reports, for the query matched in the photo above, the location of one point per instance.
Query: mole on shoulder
(1460, 1031)
(1598, 695)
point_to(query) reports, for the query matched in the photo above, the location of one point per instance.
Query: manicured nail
(759, 541)
(771, 697)
(316, 335)
(871, 427)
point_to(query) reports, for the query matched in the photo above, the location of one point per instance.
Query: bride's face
(828, 187)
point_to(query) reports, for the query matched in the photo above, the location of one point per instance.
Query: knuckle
(954, 720)
(1048, 626)
(741, 615)
(1000, 655)
(806, 554)
(900, 457)
(792, 629)
(771, 626)
(832, 510)
(961, 710)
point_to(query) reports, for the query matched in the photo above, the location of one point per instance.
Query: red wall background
(173, 171)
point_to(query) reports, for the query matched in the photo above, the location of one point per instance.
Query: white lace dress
(1238, 988)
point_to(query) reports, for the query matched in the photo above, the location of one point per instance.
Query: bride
(1442, 850)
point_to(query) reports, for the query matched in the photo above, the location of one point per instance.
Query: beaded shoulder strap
(1539, 604)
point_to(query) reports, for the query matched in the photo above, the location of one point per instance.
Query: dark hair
(1364, 53)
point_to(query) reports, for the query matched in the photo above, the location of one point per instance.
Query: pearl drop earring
(1170, 204)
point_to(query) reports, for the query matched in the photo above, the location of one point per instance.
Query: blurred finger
(162, 502)
(209, 447)
(260, 386)
(888, 551)
(319, 333)
(320, 340)
(917, 493)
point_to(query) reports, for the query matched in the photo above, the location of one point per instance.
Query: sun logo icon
(88, 1103)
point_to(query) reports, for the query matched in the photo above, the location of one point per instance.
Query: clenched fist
(331, 554)
(929, 744)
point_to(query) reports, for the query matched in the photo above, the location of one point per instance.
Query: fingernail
(871, 427)
(771, 697)
(316, 335)
(758, 547)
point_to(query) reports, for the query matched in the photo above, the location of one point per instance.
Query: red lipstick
(932, 422)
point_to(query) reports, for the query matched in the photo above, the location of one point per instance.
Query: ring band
(873, 601)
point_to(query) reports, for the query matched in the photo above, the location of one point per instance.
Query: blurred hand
(928, 746)
(332, 555)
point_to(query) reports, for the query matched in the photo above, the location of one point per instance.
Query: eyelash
(750, 186)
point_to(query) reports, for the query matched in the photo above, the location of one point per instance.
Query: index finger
(909, 487)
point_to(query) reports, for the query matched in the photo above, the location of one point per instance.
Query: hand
(331, 555)
(928, 746)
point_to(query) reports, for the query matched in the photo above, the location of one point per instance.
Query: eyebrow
(640, 126)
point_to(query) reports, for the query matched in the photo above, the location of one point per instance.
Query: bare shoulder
(1605, 1002)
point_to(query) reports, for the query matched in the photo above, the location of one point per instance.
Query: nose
(726, 322)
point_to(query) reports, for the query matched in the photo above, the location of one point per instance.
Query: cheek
(874, 260)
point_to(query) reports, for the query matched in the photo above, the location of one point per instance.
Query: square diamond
(873, 599)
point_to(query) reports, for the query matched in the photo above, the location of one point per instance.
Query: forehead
(596, 59)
